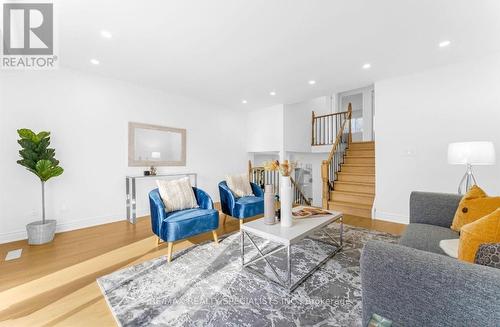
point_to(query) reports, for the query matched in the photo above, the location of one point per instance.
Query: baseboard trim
(69, 226)
(391, 217)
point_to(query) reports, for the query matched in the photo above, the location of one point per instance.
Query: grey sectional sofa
(416, 284)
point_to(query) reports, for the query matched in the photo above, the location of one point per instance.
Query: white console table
(130, 182)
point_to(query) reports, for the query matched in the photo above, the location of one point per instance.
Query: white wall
(297, 122)
(264, 129)
(420, 115)
(88, 118)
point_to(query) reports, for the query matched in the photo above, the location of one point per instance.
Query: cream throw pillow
(450, 247)
(239, 185)
(177, 194)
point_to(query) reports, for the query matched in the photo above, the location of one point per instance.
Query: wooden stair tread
(351, 204)
(355, 193)
(355, 174)
(358, 165)
(356, 183)
(363, 157)
(363, 142)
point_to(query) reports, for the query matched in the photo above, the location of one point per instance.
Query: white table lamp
(470, 154)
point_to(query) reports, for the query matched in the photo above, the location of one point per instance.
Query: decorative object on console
(470, 154)
(39, 159)
(155, 156)
(269, 199)
(473, 206)
(286, 197)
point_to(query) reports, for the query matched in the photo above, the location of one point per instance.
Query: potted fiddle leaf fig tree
(38, 158)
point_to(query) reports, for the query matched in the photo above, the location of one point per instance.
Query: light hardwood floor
(54, 284)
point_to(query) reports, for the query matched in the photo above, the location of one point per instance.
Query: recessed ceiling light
(106, 34)
(444, 44)
(94, 62)
(367, 66)
(312, 82)
(272, 93)
(244, 101)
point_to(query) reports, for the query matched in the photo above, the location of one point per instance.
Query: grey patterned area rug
(206, 286)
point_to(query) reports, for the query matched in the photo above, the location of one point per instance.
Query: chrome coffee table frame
(286, 241)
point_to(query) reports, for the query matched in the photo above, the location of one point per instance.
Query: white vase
(286, 201)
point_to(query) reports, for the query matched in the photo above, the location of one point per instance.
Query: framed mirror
(153, 145)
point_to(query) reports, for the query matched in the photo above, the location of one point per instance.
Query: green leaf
(43, 145)
(29, 154)
(56, 171)
(27, 163)
(45, 170)
(43, 135)
(26, 134)
(28, 144)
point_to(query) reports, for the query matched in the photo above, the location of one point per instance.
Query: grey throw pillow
(488, 255)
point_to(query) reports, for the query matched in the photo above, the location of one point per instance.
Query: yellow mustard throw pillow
(483, 230)
(474, 205)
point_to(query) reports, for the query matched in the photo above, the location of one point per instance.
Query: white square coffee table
(286, 237)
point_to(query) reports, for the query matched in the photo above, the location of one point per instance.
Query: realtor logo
(28, 36)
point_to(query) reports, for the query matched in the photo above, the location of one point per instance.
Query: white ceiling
(223, 51)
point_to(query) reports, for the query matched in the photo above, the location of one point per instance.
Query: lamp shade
(473, 153)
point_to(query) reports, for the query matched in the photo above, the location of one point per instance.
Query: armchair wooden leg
(241, 223)
(224, 219)
(216, 239)
(170, 245)
(158, 241)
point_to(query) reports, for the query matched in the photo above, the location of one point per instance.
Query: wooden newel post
(326, 188)
(349, 116)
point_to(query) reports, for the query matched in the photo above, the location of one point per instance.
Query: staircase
(354, 189)
(348, 174)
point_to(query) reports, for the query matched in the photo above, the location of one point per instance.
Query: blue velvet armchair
(177, 225)
(243, 207)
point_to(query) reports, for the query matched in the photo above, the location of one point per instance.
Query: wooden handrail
(339, 137)
(331, 114)
(327, 170)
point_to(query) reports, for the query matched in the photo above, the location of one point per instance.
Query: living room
(311, 153)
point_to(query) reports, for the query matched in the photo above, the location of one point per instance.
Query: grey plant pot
(40, 233)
